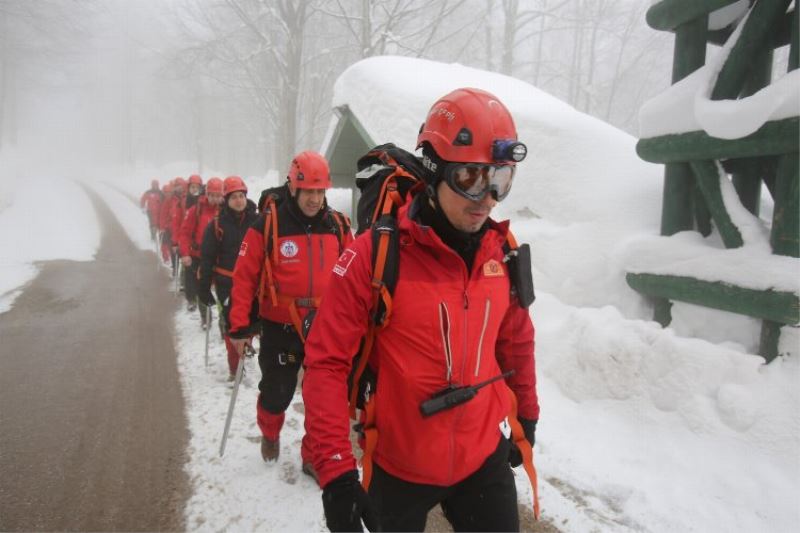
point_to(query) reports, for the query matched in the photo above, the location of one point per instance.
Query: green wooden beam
(786, 217)
(778, 306)
(773, 138)
(689, 55)
(780, 36)
(708, 179)
(765, 16)
(669, 14)
(793, 45)
(770, 335)
(702, 215)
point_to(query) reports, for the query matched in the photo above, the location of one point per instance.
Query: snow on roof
(579, 168)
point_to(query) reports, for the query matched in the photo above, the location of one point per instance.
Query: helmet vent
(464, 138)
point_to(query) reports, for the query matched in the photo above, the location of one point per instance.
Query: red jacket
(151, 199)
(306, 255)
(178, 211)
(165, 213)
(437, 305)
(194, 224)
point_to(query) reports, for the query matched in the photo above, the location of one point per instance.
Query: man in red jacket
(220, 249)
(151, 203)
(285, 261)
(164, 225)
(191, 238)
(455, 322)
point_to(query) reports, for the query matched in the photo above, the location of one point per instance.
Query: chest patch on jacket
(493, 269)
(243, 249)
(344, 261)
(289, 248)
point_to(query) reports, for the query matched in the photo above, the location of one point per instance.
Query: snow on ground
(42, 220)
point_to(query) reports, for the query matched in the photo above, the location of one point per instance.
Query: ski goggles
(474, 180)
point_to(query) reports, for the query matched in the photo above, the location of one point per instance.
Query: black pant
(190, 281)
(485, 501)
(280, 358)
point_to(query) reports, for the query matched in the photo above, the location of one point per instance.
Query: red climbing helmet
(472, 126)
(214, 185)
(195, 179)
(309, 170)
(234, 184)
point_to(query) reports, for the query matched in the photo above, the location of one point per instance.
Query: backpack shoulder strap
(270, 234)
(518, 259)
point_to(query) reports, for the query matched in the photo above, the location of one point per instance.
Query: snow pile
(687, 105)
(673, 434)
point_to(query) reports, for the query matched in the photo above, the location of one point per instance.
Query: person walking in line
(456, 322)
(191, 237)
(164, 226)
(285, 263)
(222, 239)
(151, 204)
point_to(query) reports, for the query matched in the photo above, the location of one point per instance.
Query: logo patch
(493, 269)
(289, 248)
(243, 249)
(344, 261)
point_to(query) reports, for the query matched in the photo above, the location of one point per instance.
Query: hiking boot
(308, 469)
(270, 449)
(231, 377)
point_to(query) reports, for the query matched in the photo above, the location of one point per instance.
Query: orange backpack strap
(518, 437)
(270, 229)
(341, 222)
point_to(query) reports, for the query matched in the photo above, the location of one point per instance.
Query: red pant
(270, 425)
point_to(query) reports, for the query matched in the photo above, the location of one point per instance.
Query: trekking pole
(248, 351)
(208, 329)
(177, 277)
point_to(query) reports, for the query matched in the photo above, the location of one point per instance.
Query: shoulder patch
(493, 269)
(344, 262)
(243, 249)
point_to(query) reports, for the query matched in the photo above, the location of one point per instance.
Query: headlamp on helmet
(509, 150)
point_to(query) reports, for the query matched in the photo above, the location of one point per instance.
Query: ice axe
(208, 328)
(248, 352)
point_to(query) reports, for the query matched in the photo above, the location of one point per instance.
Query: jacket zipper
(310, 263)
(483, 331)
(444, 328)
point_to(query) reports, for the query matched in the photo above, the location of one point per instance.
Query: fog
(93, 87)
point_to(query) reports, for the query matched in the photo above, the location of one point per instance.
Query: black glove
(529, 428)
(346, 504)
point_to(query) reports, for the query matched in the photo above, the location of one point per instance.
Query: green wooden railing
(692, 198)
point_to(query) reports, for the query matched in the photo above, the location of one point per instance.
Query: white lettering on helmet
(429, 164)
(449, 115)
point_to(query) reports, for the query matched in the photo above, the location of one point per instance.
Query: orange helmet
(214, 185)
(234, 184)
(309, 170)
(195, 179)
(179, 182)
(471, 126)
